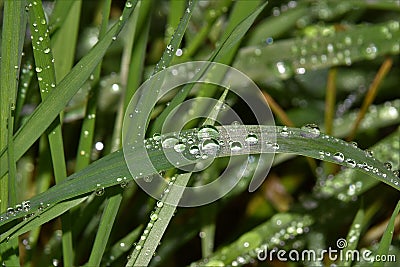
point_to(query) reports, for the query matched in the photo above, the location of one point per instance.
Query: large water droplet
(169, 142)
(207, 131)
(210, 146)
(179, 147)
(310, 131)
(236, 146)
(251, 139)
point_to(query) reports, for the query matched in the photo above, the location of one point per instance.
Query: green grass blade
(285, 58)
(12, 39)
(159, 220)
(353, 237)
(57, 99)
(387, 237)
(264, 237)
(105, 171)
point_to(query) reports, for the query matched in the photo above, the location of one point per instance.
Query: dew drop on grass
(369, 153)
(38, 69)
(169, 142)
(99, 190)
(351, 163)
(310, 131)
(236, 146)
(388, 165)
(194, 150)
(160, 204)
(153, 216)
(284, 132)
(148, 179)
(396, 173)
(207, 131)
(338, 156)
(156, 137)
(179, 147)
(210, 146)
(251, 139)
(128, 4)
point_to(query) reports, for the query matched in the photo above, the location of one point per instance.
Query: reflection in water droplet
(388, 165)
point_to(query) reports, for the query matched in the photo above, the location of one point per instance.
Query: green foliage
(68, 198)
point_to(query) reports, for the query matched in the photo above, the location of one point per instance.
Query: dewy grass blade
(49, 109)
(353, 237)
(386, 240)
(12, 40)
(46, 75)
(88, 124)
(159, 220)
(284, 59)
(296, 141)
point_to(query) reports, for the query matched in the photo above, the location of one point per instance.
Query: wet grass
(328, 70)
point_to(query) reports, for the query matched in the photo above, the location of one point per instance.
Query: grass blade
(57, 99)
(387, 237)
(104, 171)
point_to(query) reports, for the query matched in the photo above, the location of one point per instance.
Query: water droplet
(179, 147)
(310, 131)
(370, 51)
(369, 153)
(153, 216)
(169, 142)
(338, 156)
(210, 146)
(388, 165)
(284, 132)
(354, 144)
(236, 146)
(160, 204)
(179, 52)
(156, 137)
(38, 69)
(128, 4)
(208, 131)
(351, 163)
(148, 179)
(284, 70)
(194, 150)
(99, 190)
(251, 139)
(396, 173)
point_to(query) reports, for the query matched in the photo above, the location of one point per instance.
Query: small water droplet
(156, 137)
(128, 4)
(148, 179)
(38, 69)
(99, 190)
(351, 163)
(369, 153)
(388, 165)
(284, 132)
(153, 216)
(338, 156)
(160, 204)
(194, 150)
